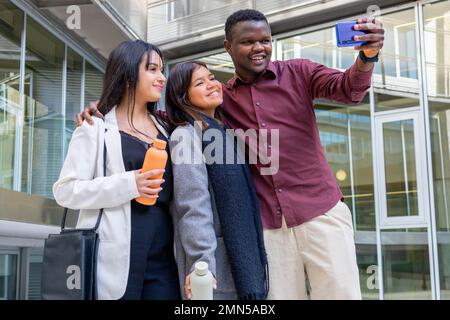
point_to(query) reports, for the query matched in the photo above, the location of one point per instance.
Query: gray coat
(197, 230)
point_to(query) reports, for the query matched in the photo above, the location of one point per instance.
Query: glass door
(403, 215)
(402, 170)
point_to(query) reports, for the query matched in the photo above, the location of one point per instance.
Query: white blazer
(81, 185)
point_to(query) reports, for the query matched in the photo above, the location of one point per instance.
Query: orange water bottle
(155, 158)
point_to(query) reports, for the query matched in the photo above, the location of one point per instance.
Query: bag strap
(63, 223)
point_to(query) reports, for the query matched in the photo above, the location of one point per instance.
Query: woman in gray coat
(215, 208)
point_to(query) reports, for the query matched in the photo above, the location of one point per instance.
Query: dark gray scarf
(238, 210)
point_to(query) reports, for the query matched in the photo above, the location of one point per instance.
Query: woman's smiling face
(205, 92)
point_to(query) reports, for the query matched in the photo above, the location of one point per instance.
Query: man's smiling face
(250, 48)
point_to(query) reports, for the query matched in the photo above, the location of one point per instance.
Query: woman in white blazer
(135, 256)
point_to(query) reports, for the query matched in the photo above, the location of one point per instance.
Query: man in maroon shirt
(307, 228)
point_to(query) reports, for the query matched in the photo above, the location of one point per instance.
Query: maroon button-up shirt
(282, 98)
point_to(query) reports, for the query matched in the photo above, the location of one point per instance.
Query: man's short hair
(242, 15)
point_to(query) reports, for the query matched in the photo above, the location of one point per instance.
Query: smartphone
(345, 34)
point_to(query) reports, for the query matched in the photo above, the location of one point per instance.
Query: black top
(153, 272)
(133, 153)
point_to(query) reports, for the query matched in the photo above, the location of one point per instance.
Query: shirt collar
(270, 72)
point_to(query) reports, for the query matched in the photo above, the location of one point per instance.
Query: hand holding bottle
(147, 186)
(155, 159)
(199, 283)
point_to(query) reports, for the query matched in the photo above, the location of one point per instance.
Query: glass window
(318, 46)
(184, 8)
(43, 151)
(73, 89)
(400, 168)
(390, 100)
(34, 274)
(11, 20)
(8, 276)
(406, 268)
(397, 69)
(34, 135)
(93, 84)
(437, 59)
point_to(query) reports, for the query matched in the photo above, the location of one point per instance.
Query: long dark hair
(122, 69)
(178, 108)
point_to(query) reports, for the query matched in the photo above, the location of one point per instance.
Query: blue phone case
(345, 34)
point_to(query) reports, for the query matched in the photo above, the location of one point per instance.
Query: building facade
(52, 58)
(390, 153)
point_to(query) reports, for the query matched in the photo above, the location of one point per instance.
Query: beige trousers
(320, 252)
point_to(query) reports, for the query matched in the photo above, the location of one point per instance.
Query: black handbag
(70, 260)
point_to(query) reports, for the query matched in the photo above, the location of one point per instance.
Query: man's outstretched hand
(374, 37)
(89, 111)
